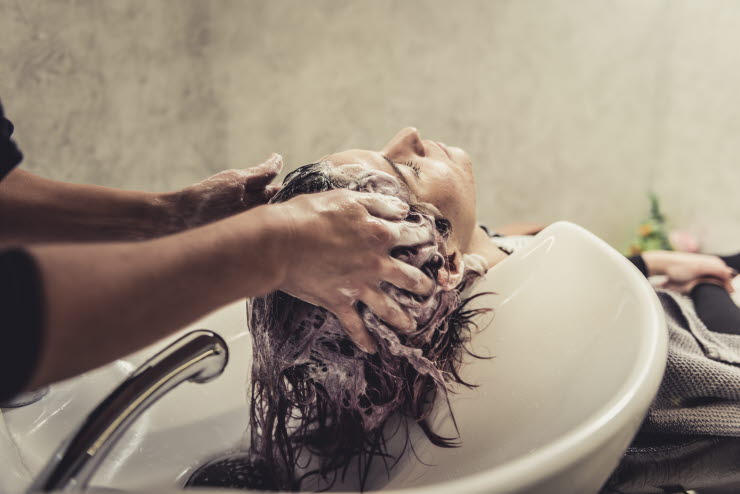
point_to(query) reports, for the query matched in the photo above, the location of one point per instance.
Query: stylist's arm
(102, 301)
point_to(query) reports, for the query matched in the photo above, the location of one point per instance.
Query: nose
(406, 143)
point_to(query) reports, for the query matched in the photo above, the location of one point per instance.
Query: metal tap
(199, 357)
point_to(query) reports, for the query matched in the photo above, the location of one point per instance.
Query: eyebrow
(398, 173)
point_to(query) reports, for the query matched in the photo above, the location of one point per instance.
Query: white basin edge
(604, 423)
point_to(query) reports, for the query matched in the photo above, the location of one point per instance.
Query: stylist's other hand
(223, 194)
(336, 253)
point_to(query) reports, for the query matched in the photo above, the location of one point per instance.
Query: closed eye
(413, 166)
(399, 175)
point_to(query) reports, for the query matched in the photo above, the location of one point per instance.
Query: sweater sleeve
(639, 262)
(21, 323)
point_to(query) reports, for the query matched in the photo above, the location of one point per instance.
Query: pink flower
(684, 241)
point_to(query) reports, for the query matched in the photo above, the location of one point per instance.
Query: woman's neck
(481, 244)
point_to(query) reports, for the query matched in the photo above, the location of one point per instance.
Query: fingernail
(367, 349)
(395, 200)
(410, 325)
(428, 286)
(403, 208)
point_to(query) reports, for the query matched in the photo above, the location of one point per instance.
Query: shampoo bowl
(579, 346)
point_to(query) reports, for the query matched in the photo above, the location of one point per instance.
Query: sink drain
(235, 471)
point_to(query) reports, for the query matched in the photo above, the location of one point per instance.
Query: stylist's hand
(223, 194)
(336, 252)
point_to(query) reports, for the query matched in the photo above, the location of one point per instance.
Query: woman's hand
(336, 246)
(684, 270)
(223, 194)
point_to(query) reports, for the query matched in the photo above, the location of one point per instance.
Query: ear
(377, 181)
(461, 269)
(451, 274)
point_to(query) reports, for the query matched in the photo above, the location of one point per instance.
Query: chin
(461, 156)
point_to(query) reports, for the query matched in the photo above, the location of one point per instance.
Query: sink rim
(605, 422)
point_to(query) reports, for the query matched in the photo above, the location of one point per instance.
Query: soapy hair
(317, 398)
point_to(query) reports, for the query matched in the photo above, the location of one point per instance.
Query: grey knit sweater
(700, 391)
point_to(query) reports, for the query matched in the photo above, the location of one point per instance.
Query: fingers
(259, 176)
(406, 277)
(722, 272)
(711, 280)
(687, 287)
(408, 234)
(383, 206)
(388, 310)
(356, 330)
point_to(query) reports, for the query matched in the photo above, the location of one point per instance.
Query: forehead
(368, 160)
(359, 161)
(358, 156)
(362, 166)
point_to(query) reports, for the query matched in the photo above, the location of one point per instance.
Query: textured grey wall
(570, 109)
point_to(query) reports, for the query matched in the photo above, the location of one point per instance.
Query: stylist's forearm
(104, 301)
(36, 209)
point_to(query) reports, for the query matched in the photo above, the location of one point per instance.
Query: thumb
(257, 177)
(270, 191)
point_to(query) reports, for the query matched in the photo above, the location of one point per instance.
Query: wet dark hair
(316, 399)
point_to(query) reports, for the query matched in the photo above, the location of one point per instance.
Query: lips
(443, 148)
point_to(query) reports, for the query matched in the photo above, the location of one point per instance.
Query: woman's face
(433, 172)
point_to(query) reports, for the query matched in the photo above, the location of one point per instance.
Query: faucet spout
(198, 356)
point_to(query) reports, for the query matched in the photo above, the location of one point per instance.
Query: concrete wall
(570, 109)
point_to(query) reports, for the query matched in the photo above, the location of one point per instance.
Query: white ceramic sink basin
(579, 342)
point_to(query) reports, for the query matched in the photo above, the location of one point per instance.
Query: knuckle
(394, 311)
(408, 274)
(345, 316)
(396, 272)
(341, 314)
(354, 206)
(344, 195)
(375, 264)
(380, 233)
(411, 281)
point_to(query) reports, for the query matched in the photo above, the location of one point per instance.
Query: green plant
(652, 232)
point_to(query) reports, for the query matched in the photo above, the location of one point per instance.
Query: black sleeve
(21, 320)
(716, 308)
(10, 156)
(639, 262)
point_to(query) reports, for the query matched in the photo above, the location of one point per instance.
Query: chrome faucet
(199, 357)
